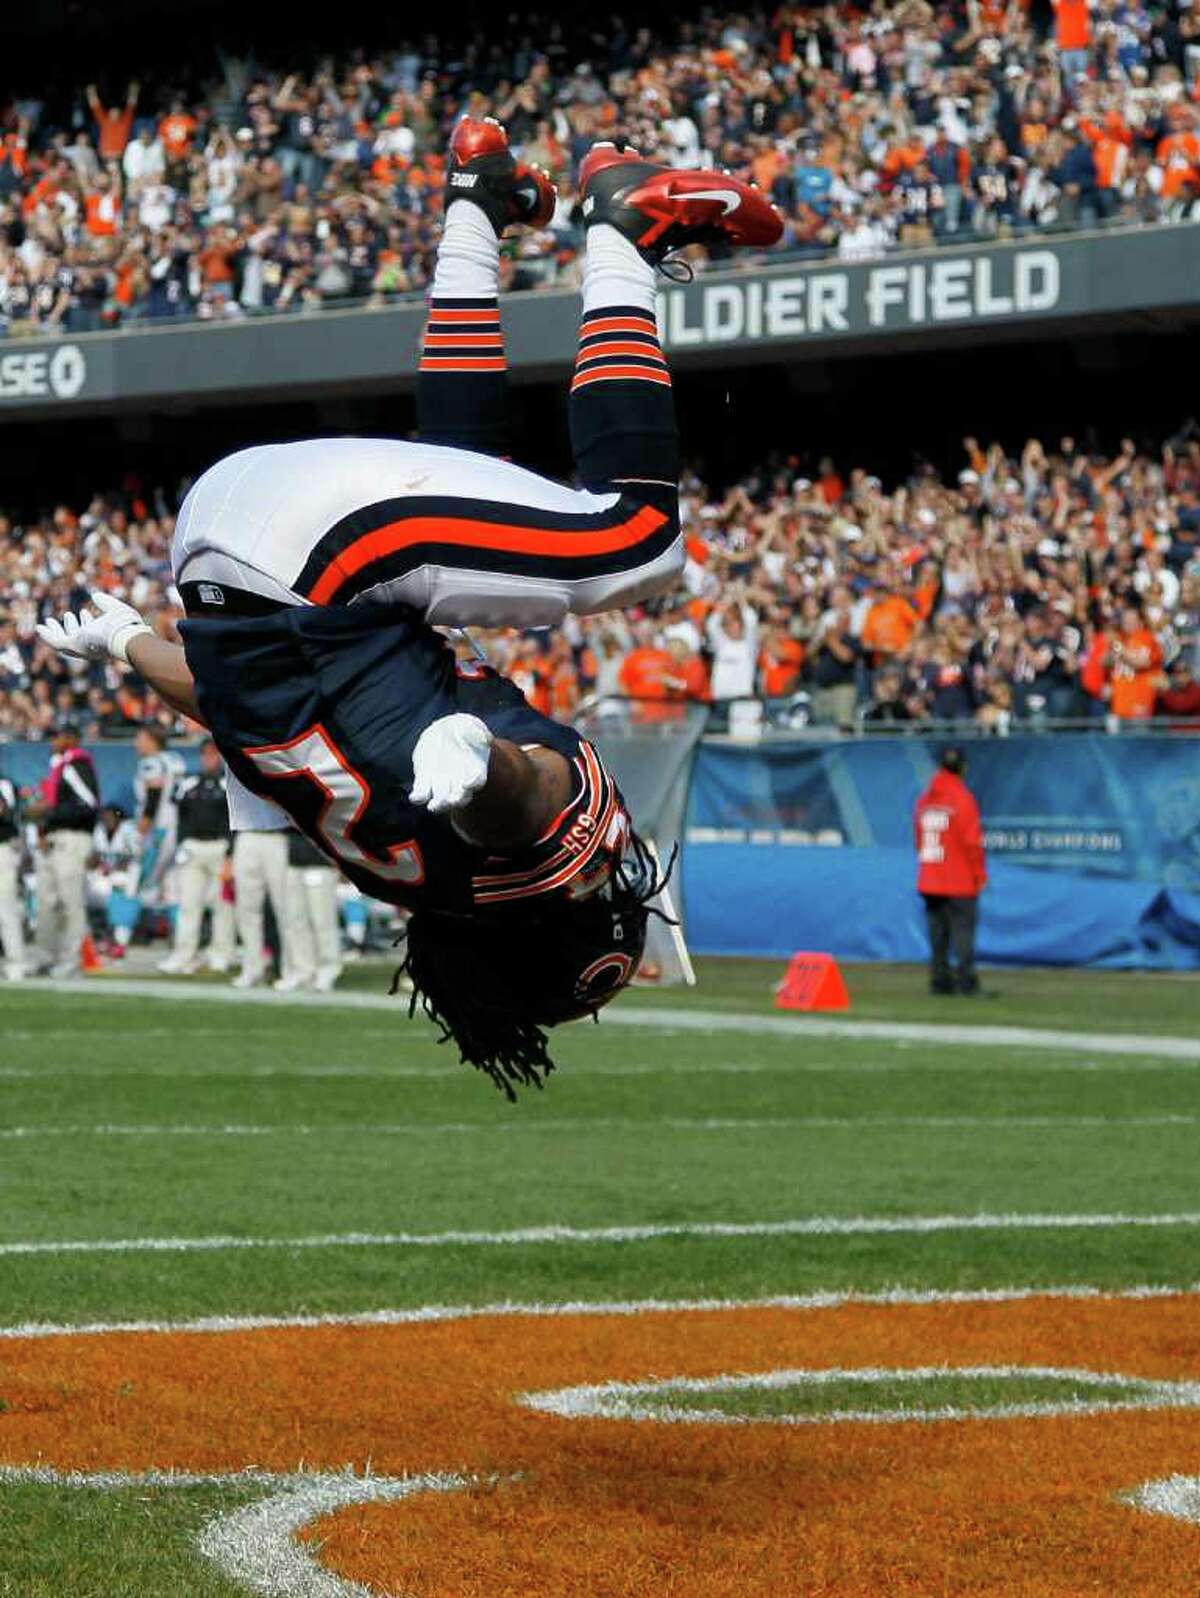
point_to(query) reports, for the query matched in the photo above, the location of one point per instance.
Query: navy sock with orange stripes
(462, 386)
(622, 410)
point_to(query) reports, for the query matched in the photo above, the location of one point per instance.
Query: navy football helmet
(495, 982)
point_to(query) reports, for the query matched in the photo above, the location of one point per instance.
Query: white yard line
(676, 1020)
(601, 1123)
(423, 1314)
(810, 1226)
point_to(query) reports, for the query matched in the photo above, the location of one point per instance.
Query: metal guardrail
(666, 719)
(786, 721)
(537, 281)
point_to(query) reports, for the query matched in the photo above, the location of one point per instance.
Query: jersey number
(346, 796)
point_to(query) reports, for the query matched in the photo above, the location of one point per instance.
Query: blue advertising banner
(1093, 843)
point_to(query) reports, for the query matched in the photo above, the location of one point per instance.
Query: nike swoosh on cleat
(729, 197)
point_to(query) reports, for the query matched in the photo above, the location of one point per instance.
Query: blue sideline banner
(1093, 844)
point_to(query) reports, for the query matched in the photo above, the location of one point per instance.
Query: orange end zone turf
(617, 1508)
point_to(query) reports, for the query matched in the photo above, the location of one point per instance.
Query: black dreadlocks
(493, 983)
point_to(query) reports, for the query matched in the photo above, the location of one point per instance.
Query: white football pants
(260, 867)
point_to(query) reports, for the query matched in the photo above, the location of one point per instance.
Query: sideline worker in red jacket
(952, 873)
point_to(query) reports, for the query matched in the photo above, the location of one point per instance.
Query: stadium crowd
(1056, 583)
(894, 122)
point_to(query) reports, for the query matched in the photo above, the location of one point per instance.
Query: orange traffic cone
(89, 960)
(812, 982)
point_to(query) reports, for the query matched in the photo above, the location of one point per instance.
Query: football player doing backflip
(313, 575)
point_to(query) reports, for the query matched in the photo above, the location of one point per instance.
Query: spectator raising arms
(1055, 583)
(907, 122)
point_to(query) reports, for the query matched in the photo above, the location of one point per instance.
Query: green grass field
(131, 1119)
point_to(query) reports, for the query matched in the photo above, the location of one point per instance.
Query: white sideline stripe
(254, 1545)
(674, 1020)
(632, 1400)
(1041, 1062)
(424, 1314)
(811, 1226)
(800, 1123)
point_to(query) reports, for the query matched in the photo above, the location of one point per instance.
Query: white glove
(450, 762)
(95, 634)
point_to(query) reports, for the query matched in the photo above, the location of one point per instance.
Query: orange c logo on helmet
(589, 985)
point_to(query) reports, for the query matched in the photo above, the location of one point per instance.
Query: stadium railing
(537, 274)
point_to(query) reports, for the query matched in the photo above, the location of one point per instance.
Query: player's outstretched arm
(497, 794)
(114, 630)
(165, 668)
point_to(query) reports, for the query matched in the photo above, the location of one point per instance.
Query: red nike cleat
(659, 209)
(482, 169)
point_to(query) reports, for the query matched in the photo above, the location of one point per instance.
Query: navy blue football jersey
(319, 709)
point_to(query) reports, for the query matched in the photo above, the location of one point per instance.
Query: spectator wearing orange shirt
(829, 481)
(215, 259)
(1134, 662)
(686, 677)
(645, 676)
(779, 661)
(562, 679)
(1093, 669)
(113, 123)
(102, 208)
(1073, 35)
(645, 670)
(46, 187)
(889, 624)
(901, 158)
(1178, 156)
(528, 671)
(925, 593)
(1110, 142)
(176, 131)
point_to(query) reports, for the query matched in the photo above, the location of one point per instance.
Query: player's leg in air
(617, 540)
(312, 571)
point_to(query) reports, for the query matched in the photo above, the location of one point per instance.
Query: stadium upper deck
(271, 190)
